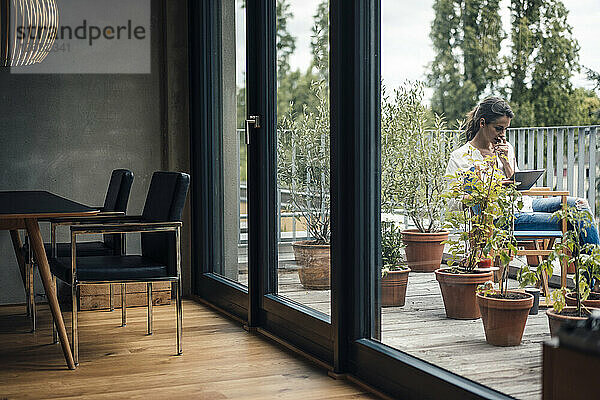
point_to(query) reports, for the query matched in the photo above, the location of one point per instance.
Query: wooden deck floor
(220, 360)
(421, 328)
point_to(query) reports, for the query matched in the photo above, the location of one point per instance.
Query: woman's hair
(490, 109)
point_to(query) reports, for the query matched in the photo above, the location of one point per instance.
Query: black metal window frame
(343, 341)
(205, 80)
(258, 305)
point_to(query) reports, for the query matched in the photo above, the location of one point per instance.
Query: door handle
(255, 121)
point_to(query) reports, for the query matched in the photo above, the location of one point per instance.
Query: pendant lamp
(28, 29)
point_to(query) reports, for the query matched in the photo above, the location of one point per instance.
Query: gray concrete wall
(66, 133)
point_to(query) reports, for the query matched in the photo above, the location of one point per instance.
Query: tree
(287, 80)
(482, 35)
(241, 107)
(550, 65)
(594, 77)
(320, 40)
(286, 43)
(524, 13)
(295, 89)
(585, 108)
(466, 36)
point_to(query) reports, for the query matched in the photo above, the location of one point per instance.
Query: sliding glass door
(260, 142)
(288, 173)
(286, 150)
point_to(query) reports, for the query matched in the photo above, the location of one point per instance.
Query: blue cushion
(538, 234)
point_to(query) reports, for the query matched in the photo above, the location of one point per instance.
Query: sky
(405, 45)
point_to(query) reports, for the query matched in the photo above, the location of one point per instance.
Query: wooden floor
(421, 328)
(220, 360)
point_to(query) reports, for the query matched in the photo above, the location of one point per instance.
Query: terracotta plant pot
(555, 320)
(504, 319)
(458, 292)
(393, 288)
(485, 263)
(423, 250)
(314, 261)
(594, 302)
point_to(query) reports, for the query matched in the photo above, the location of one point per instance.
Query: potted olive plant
(480, 197)
(570, 305)
(415, 148)
(394, 274)
(303, 168)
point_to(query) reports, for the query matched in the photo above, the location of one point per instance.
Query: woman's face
(494, 131)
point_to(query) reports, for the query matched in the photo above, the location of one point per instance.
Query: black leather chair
(115, 203)
(159, 224)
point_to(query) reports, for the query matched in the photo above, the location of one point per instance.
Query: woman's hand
(501, 148)
(501, 151)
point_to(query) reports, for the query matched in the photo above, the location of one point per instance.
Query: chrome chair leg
(111, 302)
(54, 332)
(75, 334)
(123, 304)
(149, 290)
(179, 318)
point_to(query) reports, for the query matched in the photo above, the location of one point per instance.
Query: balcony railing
(568, 154)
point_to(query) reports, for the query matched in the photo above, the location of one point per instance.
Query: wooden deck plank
(421, 328)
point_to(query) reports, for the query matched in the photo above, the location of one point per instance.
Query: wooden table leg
(35, 237)
(18, 246)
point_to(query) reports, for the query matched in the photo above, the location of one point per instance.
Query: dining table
(23, 210)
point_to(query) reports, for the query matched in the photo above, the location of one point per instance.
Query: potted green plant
(415, 148)
(503, 312)
(394, 274)
(303, 169)
(480, 197)
(585, 258)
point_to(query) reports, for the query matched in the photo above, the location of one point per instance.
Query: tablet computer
(526, 179)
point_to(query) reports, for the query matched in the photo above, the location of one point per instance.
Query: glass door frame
(257, 306)
(206, 146)
(344, 343)
(296, 324)
(356, 210)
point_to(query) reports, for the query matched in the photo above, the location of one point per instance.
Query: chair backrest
(118, 191)
(164, 203)
(117, 197)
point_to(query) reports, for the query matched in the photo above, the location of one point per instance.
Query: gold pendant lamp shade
(28, 29)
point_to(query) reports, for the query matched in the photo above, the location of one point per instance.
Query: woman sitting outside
(486, 136)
